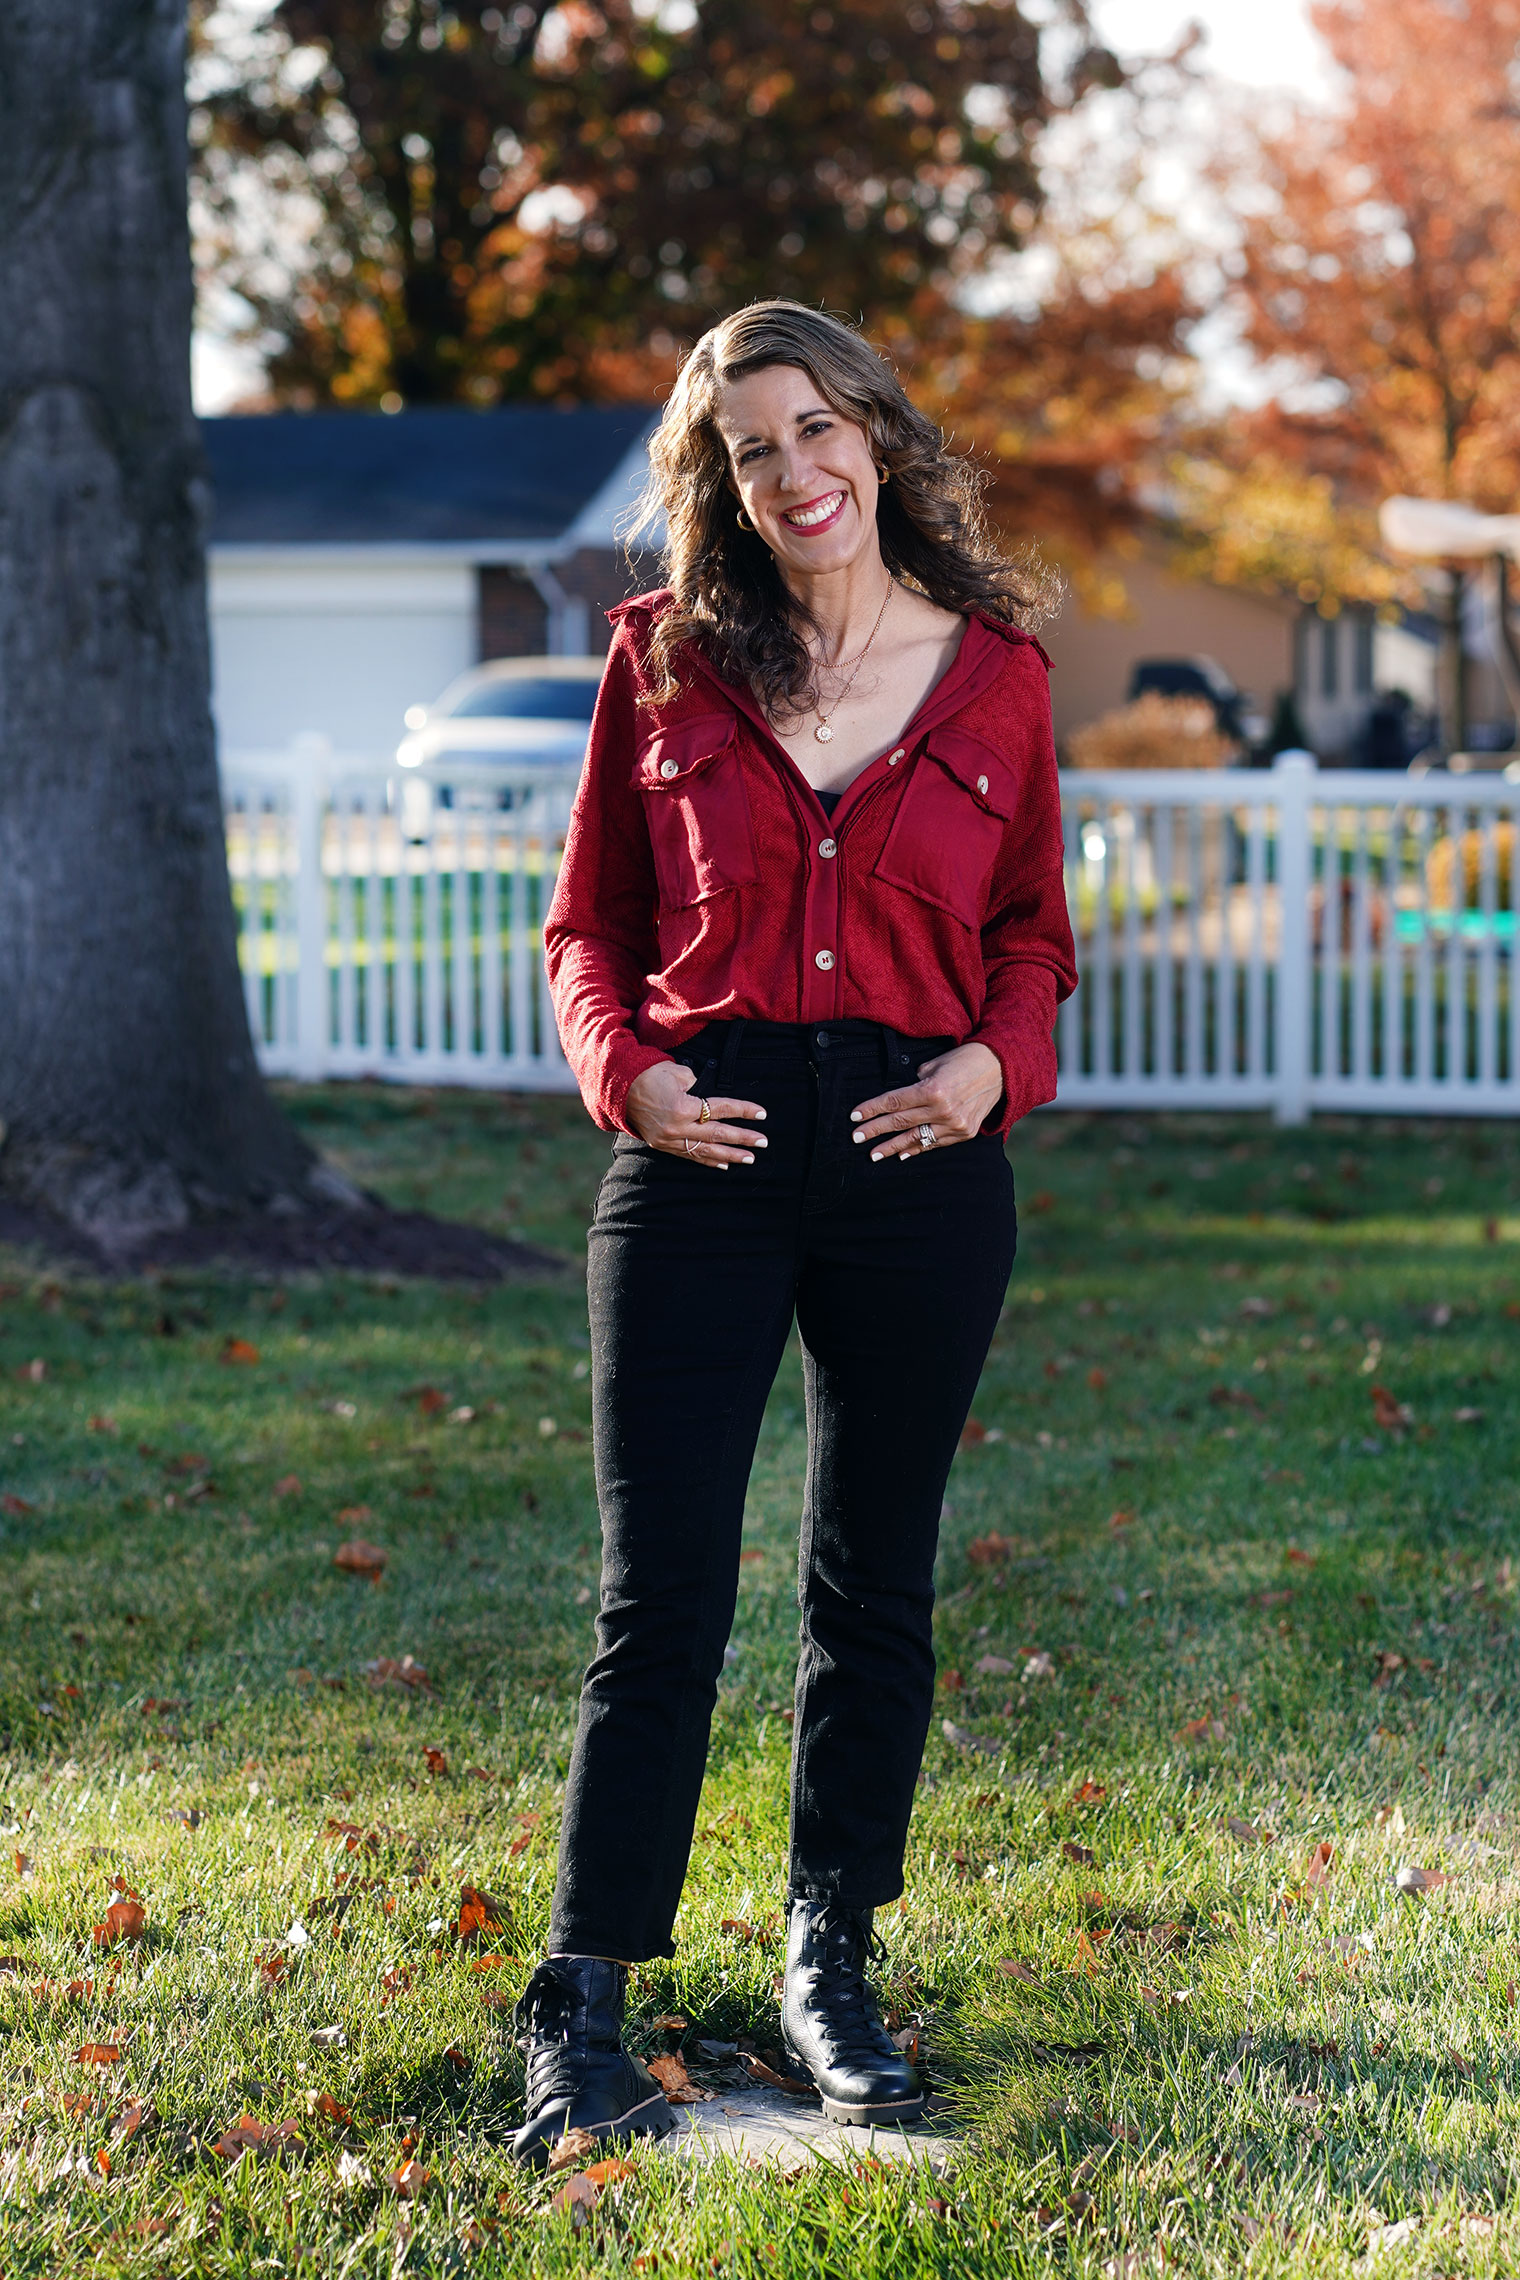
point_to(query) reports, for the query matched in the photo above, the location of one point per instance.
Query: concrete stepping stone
(757, 2124)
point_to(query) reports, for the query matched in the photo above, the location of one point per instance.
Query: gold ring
(704, 1113)
(691, 1149)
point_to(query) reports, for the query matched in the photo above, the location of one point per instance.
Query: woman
(810, 935)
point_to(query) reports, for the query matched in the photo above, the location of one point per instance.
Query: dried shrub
(1153, 732)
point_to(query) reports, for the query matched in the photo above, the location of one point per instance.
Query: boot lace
(544, 2019)
(847, 1946)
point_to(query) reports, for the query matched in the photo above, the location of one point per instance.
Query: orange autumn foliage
(1380, 246)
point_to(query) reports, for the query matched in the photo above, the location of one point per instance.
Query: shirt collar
(982, 654)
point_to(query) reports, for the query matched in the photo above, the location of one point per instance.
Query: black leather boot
(570, 2029)
(832, 2026)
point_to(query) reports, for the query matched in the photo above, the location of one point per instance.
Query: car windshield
(529, 700)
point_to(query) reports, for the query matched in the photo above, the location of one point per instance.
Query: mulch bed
(401, 1243)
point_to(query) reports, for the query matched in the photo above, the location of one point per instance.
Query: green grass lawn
(1193, 1591)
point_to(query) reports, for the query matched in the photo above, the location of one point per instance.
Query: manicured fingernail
(761, 1141)
(746, 1159)
(854, 1115)
(876, 1155)
(857, 1137)
(759, 1115)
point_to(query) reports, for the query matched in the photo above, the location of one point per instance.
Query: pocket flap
(678, 751)
(984, 772)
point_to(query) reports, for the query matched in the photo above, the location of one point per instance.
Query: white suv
(514, 712)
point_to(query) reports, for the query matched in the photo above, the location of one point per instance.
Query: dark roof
(436, 477)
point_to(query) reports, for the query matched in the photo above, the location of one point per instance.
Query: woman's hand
(955, 1094)
(662, 1110)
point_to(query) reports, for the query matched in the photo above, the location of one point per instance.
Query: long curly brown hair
(729, 595)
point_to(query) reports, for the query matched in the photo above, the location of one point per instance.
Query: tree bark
(129, 1092)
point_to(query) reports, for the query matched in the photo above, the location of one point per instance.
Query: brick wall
(513, 621)
(511, 618)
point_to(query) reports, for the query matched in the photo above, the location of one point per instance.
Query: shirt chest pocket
(949, 825)
(691, 776)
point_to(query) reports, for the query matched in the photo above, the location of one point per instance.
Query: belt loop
(729, 1060)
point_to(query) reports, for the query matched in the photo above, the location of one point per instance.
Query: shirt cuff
(625, 1060)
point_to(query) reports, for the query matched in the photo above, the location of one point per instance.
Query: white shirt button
(981, 785)
(894, 757)
(828, 847)
(670, 768)
(824, 961)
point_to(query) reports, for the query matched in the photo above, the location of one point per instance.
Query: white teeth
(806, 518)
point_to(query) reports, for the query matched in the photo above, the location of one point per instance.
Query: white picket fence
(1279, 939)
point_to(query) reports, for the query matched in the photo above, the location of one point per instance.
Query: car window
(529, 700)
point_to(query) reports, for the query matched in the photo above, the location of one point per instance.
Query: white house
(358, 562)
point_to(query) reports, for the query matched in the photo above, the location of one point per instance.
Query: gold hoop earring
(883, 474)
(742, 519)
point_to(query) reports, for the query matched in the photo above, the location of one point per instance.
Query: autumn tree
(129, 1095)
(474, 202)
(1379, 265)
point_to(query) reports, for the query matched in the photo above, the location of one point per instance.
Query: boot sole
(865, 2117)
(859, 2117)
(653, 2119)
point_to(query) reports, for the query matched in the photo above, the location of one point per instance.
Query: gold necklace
(824, 731)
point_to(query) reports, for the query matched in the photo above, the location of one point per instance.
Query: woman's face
(803, 472)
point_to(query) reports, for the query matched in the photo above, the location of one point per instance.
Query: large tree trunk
(129, 1091)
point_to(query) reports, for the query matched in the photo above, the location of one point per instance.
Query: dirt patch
(406, 1243)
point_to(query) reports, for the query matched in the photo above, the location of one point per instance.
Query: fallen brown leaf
(239, 1350)
(576, 2199)
(995, 1666)
(1091, 1793)
(359, 1557)
(479, 1914)
(1389, 1413)
(409, 2180)
(611, 2172)
(1013, 1967)
(1250, 1832)
(1123, 1518)
(670, 2023)
(972, 1432)
(1413, 1881)
(1072, 1851)
(434, 1759)
(289, 1484)
(793, 2084)
(386, 1670)
(16, 1506)
(98, 2054)
(572, 2148)
(989, 1551)
(670, 2073)
(249, 2135)
(1321, 1863)
(326, 2107)
(126, 1919)
(1097, 1380)
(1088, 1957)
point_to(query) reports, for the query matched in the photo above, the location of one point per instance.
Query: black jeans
(896, 1274)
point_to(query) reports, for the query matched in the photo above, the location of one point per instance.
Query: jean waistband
(897, 1056)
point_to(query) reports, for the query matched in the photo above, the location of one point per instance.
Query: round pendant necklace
(824, 732)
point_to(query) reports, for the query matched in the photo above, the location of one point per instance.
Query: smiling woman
(813, 882)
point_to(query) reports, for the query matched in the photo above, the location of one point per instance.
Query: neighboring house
(359, 561)
(1342, 664)
(1161, 615)
(1335, 666)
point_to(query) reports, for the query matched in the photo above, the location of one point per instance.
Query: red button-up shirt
(702, 880)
